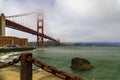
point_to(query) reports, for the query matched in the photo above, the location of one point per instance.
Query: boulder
(80, 64)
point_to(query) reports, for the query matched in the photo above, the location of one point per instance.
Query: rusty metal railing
(26, 68)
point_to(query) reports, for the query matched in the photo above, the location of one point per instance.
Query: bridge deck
(20, 27)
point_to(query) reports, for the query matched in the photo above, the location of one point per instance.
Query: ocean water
(106, 60)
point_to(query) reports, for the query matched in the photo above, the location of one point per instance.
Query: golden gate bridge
(39, 32)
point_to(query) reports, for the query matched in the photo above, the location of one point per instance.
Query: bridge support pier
(2, 24)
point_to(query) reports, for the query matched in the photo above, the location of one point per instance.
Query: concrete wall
(13, 41)
(9, 40)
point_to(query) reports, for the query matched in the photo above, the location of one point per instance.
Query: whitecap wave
(8, 56)
(4, 56)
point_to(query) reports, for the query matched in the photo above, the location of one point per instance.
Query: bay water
(106, 60)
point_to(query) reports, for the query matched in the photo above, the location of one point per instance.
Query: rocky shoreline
(16, 49)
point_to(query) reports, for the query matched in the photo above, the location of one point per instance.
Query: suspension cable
(24, 14)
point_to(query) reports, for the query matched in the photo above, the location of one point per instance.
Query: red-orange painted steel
(40, 40)
(17, 26)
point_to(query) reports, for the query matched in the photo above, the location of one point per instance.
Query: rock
(80, 64)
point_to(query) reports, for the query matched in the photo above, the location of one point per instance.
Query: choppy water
(106, 60)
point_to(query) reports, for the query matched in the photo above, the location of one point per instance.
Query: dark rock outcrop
(80, 64)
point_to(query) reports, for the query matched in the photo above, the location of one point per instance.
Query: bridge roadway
(20, 27)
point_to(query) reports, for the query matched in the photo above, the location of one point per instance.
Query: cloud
(74, 20)
(86, 17)
(88, 10)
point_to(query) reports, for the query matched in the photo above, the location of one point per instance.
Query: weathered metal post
(26, 67)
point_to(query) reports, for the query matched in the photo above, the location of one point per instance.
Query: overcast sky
(71, 20)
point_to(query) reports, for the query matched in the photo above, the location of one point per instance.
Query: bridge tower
(40, 28)
(2, 24)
